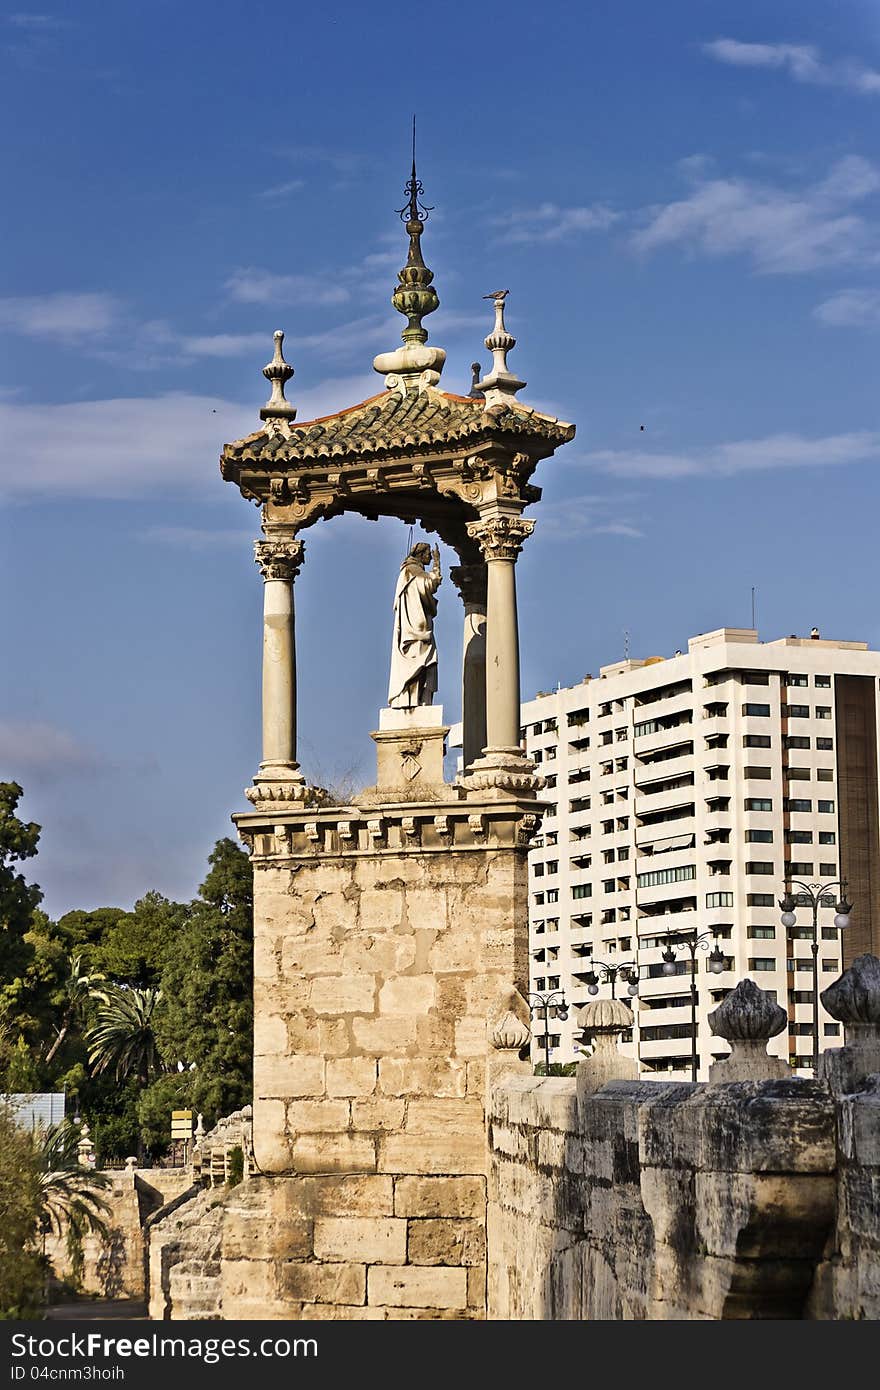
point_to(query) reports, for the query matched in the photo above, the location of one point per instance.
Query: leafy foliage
(21, 1264)
(69, 1193)
(123, 1037)
(104, 1004)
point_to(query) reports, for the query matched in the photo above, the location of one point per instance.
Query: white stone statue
(413, 649)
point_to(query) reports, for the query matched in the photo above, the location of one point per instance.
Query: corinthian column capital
(279, 559)
(501, 537)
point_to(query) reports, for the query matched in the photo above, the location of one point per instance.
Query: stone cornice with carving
(501, 537)
(279, 559)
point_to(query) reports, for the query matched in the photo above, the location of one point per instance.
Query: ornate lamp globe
(633, 988)
(562, 1012)
(788, 917)
(668, 966)
(592, 988)
(842, 917)
(716, 960)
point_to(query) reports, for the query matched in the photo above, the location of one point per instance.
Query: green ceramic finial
(414, 297)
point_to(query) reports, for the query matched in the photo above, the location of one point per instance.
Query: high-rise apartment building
(685, 793)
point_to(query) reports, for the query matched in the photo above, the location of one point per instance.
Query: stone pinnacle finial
(277, 372)
(501, 385)
(414, 296)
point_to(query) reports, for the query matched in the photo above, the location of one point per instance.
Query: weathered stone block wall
(660, 1201)
(114, 1265)
(386, 945)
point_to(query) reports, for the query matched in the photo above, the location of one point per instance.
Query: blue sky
(684, 200)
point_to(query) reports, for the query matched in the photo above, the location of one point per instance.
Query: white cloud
(225, 344)
(137, 446)
(782, 231)
(254, 286)
(850, 309)
(742, 456)
(549, 222)
(590, 515)
(70, 317)
(196, 538)
(803, 62)
(282, 190)
(37, 752)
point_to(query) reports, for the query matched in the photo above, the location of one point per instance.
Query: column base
(282, 785)
(501, 773)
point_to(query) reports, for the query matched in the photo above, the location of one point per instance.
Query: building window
(799, 837)
(760, 900)
(756, 711)
(824, 682)
(553, 866)
(823, 711)
(719, 900)
(538, 870)
(757, 774)
(540, 982)
(825, 807)
(762, 933)
(759, 837)
(582, 890)
(758, 803)
(553, 895)
(801, 996)
(795, 741)
(657, 876)
(824, 774)
(828, 964)
(578, 718)
(827, 837)
(623, 822)
(832, 1030)
(825, 869)
(829, 933)
(755, 677)
(825, 745)
(798, 774)
(760, 866)
(608, 885)
(756, 741)
(796, 711)
(795, 679)
(552, 981)
(797, 803)
(762, 963)
(800, 867)
(623, 853)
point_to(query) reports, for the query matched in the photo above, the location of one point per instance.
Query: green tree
(69, 1192)
(18, 898)
(22, 1275)
(123, 1039)
(207, 987)
(78, 989)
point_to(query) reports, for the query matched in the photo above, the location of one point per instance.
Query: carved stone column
(503, 765)
(471, 582)
(279, 778)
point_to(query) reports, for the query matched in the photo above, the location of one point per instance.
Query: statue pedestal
(410, 744)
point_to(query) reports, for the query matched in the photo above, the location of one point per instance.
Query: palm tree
(78, 988)
(69, 1193)
(123, 1036)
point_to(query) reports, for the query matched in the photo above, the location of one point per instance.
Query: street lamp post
(815, 893)
(628, 971)
(694, 941)
(541, 1004)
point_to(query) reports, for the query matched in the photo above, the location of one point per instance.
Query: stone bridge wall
(648, 1200)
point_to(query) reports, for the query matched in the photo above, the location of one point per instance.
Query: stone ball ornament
(604, 1018)
(748, 1014)
(854, 997)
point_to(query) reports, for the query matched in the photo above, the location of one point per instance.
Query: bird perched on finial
(498, 294)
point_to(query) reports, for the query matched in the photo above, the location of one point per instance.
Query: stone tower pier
(391, 933)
